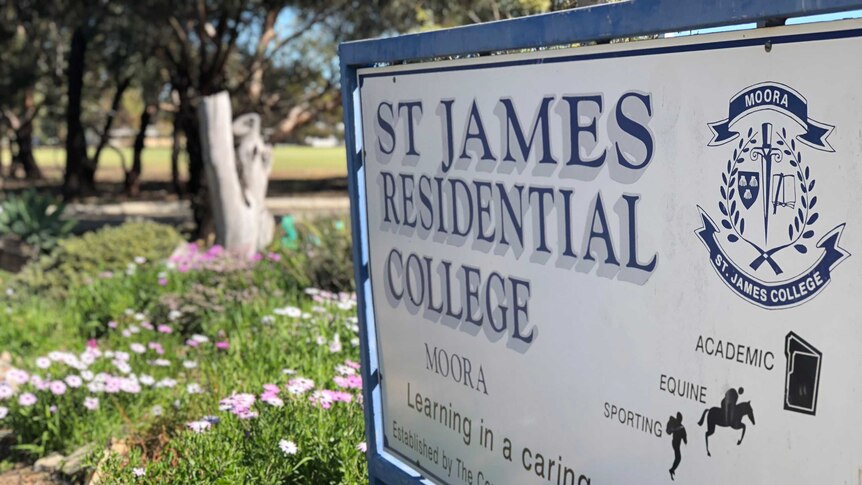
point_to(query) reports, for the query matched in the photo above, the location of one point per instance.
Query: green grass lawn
(291, 161)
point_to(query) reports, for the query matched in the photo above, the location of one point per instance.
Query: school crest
(771, 245)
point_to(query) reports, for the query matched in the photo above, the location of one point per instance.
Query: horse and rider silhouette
(730, 415)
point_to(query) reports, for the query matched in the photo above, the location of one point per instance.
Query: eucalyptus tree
(31, 68)
(210, 46)
(110, 51)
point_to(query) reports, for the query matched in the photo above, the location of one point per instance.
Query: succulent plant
(35, 219)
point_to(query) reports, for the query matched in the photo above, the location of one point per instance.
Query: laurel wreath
(799, 226)
(804, 217)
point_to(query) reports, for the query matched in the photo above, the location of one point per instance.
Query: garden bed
(203, 368)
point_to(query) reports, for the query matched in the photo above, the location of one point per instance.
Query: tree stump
(237, 163)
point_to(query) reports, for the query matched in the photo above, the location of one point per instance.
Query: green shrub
(79, 260)
(323, 255)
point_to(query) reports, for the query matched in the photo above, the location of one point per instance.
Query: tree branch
(233, 34)
(11, 118)
(219, 35)
(306, 110)
(202, 36)
(261, 60)
(185, 45)
(122, 85)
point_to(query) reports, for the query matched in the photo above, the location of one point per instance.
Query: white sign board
(621, 264)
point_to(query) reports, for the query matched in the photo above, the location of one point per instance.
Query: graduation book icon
(803, 375)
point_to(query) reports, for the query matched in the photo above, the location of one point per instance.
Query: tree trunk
(79, 177)
(2, 151)
(237, 180)
(24, 155)
(197, 185)
(133, 176)
(175, 155)
(22, 128)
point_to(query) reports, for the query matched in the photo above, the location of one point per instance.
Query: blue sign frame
(589, 24)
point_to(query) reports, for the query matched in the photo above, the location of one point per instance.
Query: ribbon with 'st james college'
(774, 295)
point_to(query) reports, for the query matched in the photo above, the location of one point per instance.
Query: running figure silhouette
(677, 431)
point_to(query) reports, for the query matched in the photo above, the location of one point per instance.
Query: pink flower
(256, 257)
(274, 257)
(91, 403)
(156, 347)
(112, 324)
(130, 387)
(3, 412)
(199, 426)
(92, 344)
(43, 362)
(348, 382)
(240, 405)
(165, 329)
(246, 414)
(192, 343)
(350, 363)
(321, 399)
(112, 385)
(362, 446)
(270, 395)
(272, 400)
(299, 385)
(341, 396)
(147, 325)
(74, 381)
(139, 472)
(325, 398)
(167, 382)
(40, 384)
(163, 281)
(201, 339)
(58, 388)
(214, 251)
(27, 399)
(223, 345)
(17, 376)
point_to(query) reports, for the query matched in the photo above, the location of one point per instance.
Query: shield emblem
(748, 187)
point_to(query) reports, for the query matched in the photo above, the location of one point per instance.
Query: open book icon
(803, 375)
(785, 191)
